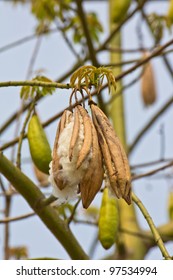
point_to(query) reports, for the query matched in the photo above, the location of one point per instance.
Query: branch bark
(47, 214)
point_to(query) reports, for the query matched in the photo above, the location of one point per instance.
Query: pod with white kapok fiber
(76, 158)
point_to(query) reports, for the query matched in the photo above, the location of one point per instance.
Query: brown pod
(75, 133)
(41, 177)
(115, 159)
(87, 136)
(76, 158)
(148, 85)
(93, 178)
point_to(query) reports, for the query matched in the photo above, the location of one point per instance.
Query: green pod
(170, 205)
(170, 13)
(39, 146)
(108, 220)
(120, 9)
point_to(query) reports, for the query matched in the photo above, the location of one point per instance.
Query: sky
(54, 58)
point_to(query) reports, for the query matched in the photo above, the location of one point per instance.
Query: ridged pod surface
(77, 161)
(116, 163)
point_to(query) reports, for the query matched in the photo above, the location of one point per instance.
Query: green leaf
(31, 91)
(24, 93)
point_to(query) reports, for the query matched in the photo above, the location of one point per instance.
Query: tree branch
(84, 24)
(156, 52)
(17, 218)
(111, 36)
(34, 83)
(154, 230)
(166, 232)
(150, 173)
(47, 214)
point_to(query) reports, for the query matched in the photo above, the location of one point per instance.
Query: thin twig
(29, 71)
(25, 40)
(124, 87)
(115, 31)
(2, 185)
(6, 229)
(152, 226)
(121, 50)
(145, 49)
(166, 61)
(34, 83)
(18, 218)
(168, 65)
(13, 117)
(85, 222)
(130, 61)
(47, 201)
(149, 125)
(150, 173)
(156, 52)
(84, 24)
(146, 164)
(73, 212)
(33, 57)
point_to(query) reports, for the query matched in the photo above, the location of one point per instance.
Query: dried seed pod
(88, 132)
(117, 171)
(148, 86)
(110, 171)
(72, 155)
(41, 177)
(75, 133)
(93, 178)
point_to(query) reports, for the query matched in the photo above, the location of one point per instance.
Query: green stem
(152, 226)
(165, 231)
(47, 214)
(34, 83)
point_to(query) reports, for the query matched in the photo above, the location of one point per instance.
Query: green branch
(34, 83)
(47, 214)
(165, 231)
(152, 226)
